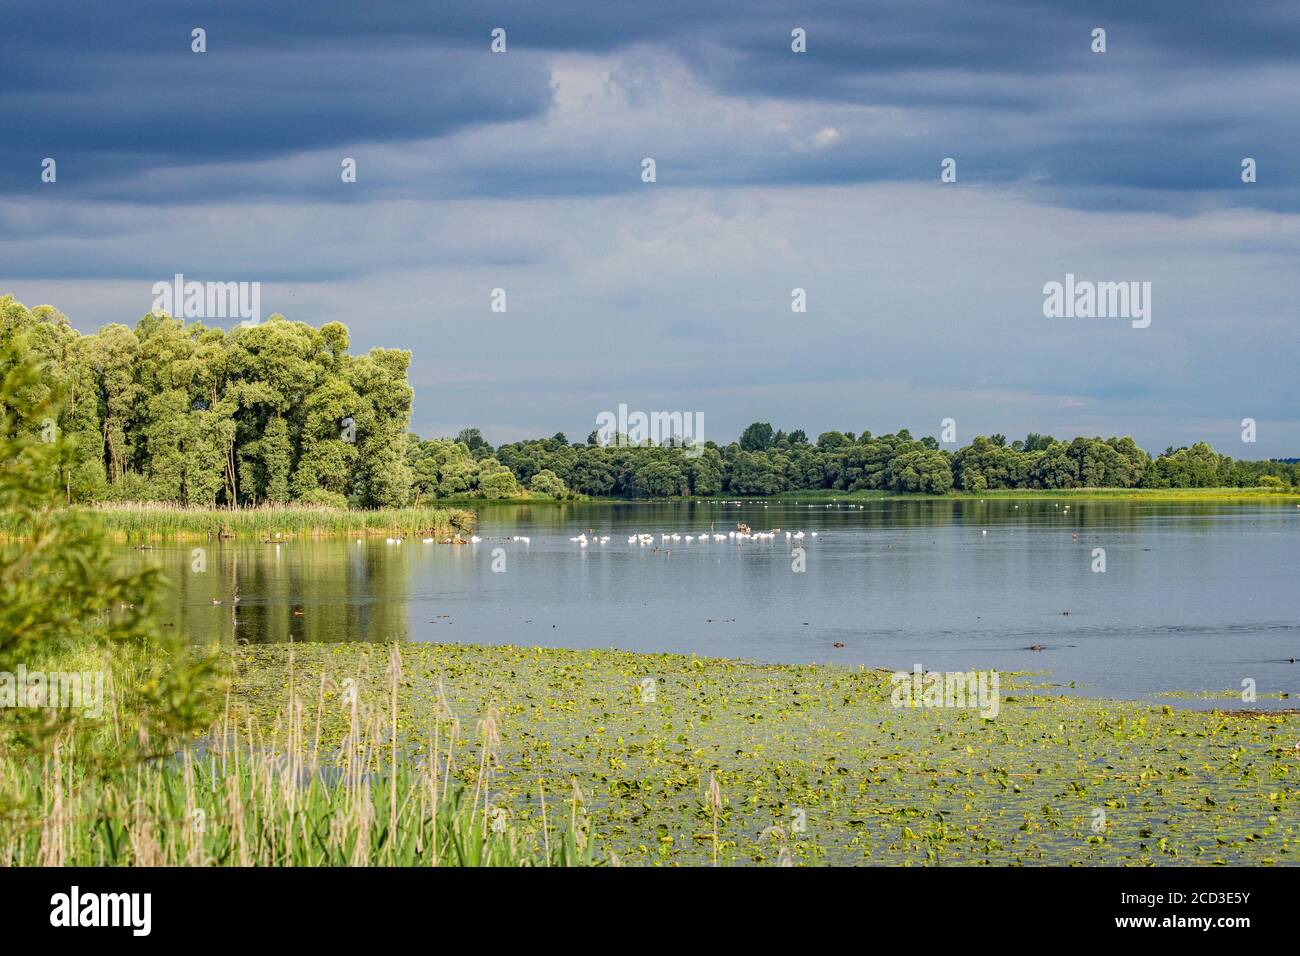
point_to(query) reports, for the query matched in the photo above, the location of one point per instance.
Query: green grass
(250, 812)
(875, 784)
(279, 794)
(148, 521)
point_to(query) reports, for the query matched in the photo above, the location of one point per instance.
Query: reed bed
(144, 521)
(251, 795)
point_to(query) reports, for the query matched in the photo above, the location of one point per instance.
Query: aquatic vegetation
(682, 758)
(1220, 694)
(143, 521)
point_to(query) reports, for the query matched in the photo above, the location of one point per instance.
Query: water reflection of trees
(296, 591)
(338, 590)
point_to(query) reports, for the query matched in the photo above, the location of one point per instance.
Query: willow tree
(328, 450)
(383, 478)
(112, 354)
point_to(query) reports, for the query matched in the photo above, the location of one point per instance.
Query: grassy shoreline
(1047, 494)
(1138, 494)
(147, 521)
(143, 521)
(822, 744)
(1008, 494)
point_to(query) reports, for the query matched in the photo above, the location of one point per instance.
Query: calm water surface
(1195, 597)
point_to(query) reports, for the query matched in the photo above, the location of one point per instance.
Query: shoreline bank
(1227, 495)
(139, 521)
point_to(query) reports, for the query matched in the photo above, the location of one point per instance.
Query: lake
(1194, 596)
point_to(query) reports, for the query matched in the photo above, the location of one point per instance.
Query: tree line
(768, 462)
(281, 411)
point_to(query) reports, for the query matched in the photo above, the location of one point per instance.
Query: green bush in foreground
(60, 601)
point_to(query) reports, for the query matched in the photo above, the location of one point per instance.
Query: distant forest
(281, 412)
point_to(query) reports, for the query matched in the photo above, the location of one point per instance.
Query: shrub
(547, 482)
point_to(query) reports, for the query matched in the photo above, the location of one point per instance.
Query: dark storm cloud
(114, 92)
(1011, 89)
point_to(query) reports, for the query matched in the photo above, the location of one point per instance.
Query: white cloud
(826, 136)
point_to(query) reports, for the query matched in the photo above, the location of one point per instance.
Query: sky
(774, 170)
